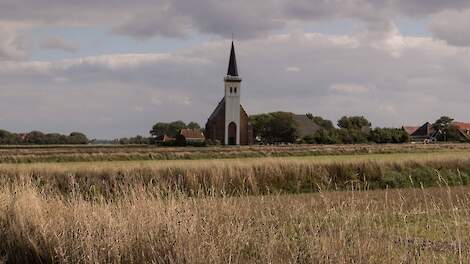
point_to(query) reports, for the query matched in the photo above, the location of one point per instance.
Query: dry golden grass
(239, 210)
(393, 226)
(243, 176)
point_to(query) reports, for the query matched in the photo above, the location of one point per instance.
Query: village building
(229, 123)
(305, 126)
(189, 135)
(463, 129)
(164, 139)
(426, 132)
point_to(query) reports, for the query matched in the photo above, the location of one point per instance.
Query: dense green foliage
(354, 130)
(388, 135)
(339, 136)
(171, 129)
(40, 138)
(137, 140)
(275, 127)
(446, 131)
(323, 123)
(353, 122)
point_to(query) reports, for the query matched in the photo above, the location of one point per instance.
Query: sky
(114, 68)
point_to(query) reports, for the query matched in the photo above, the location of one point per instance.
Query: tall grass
(393, 226)
(237, 177)
(275, 210)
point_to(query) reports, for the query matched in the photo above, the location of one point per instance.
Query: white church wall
(232, 107)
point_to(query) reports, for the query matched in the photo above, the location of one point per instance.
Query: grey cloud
(148, 26)
(12, 43)
(57, 43)
(187, 84)
(245, 18)
(452, 26)
(427, 7)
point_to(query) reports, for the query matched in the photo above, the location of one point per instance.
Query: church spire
(232, 65)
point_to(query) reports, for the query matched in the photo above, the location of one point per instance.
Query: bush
(388, 135)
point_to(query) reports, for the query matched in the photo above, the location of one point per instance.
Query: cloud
(156, 23)
(247, 19)
(12, 42)
(452, 26)
(292, 69)
(349, 88)
(56, 43)
(187, 84)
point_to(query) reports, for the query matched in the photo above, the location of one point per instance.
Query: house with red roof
(191, 135)
(426, 132)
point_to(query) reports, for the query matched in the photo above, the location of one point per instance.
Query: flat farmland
(71, 153)
(341, 204)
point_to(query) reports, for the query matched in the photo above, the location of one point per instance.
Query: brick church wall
(215, 127)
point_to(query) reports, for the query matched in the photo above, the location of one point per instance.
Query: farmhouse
(426, 132)
(422, 133)
(228, 123)
(191, 135)
(463, 129)
(305, 126)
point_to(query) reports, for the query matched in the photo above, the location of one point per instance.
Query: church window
(230, 89)
(235, 89)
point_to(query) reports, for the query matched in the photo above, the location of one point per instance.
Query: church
(229, 123)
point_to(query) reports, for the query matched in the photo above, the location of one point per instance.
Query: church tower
(232, 101)
(229, 124)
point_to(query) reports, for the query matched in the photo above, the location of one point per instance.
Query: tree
(353, 122)
(171, 129)
(444, 122)
(323, 123)
(137, 140)
(77, 138)
(447, 131)
(193, 125)
(35, 137)
(323, 136)
(275, 127)
(54, 138)
(8, 138)
(388, 135)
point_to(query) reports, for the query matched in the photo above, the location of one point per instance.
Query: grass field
(389, 206)
(33, 154)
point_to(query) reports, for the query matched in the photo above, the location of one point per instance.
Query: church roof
(232, 65)
(218, 108)
(221, 107)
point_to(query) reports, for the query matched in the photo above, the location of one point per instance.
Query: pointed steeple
(232, 65)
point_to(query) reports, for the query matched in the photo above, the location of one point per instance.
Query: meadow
(77, 153)
(380, 204)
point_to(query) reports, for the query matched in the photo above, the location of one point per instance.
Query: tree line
(281, 127)
(40, 138)
(268, 128)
